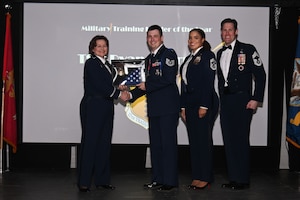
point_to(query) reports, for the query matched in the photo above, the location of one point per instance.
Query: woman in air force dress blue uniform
(97, 113)
(199, 106)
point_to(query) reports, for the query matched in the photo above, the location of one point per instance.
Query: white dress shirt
(225, 61)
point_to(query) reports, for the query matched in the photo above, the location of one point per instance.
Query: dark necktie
(151, 59)
(111, 68)
(108, 65)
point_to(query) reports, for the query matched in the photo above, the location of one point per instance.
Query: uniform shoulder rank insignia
(213, 64)
(170, 62)
(256, 59)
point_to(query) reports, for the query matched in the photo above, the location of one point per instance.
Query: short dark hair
(155, 27)
(229, 20)
(93, 42)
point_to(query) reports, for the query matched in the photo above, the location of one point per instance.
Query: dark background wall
(282, 51)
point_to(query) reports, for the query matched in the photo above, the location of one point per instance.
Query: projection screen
(56, 38)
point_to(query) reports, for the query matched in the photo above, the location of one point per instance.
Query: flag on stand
(9, 119)
(293, 120)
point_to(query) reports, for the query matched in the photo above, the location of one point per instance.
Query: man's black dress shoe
(83, 189)
(166, 188)
(106, 187)
(152, 185)
(236, 186)
(227, 185)
(240, 186)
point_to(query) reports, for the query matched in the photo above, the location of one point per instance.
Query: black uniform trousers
(235, 122)
(201, 144)
(97, 123)
(163, 148)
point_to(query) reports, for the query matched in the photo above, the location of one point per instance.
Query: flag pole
(1, 136)
(7, 8)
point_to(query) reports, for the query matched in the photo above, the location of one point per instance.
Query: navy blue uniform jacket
(200, 75)
(161, 89)
(240, 76)
(98, 80)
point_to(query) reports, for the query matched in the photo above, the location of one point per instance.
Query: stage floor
(52, 184)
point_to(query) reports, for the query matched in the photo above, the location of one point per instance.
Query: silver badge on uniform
(213, 64)
(197, 60)
(256, 59)
(170, 62)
